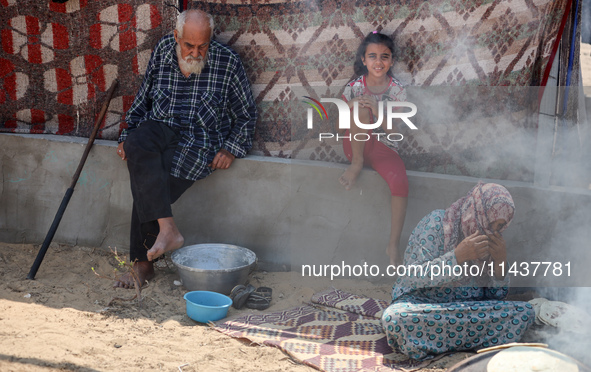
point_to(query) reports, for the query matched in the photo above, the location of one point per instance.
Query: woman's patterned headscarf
(484, 204)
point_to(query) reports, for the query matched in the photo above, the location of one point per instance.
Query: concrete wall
(290, 213)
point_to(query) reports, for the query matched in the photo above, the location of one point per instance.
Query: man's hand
(222, 160)
(474, 247)
(121, 152)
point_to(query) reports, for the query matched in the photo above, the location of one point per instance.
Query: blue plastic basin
(206, 306)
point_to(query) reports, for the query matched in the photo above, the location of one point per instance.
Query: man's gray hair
(182, 18)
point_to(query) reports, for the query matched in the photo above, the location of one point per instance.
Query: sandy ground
(62, 320)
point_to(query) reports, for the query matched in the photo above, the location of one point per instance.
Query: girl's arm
(395, 93)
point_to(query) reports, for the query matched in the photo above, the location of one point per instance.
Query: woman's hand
(498, 252)
(474, 247)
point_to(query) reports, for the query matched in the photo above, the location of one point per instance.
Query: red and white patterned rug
(337, 332)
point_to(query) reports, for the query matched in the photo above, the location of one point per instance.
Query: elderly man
(194, 113)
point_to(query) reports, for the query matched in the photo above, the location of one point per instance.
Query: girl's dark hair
(371, 38)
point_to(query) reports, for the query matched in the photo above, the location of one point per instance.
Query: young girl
(375, 83)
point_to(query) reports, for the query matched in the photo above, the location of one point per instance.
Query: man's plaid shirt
(212, 111)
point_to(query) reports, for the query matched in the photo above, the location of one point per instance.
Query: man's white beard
(190, 65)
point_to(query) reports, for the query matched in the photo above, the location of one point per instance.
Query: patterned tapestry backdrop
(58, 60)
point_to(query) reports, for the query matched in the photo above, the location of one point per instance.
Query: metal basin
(479, 362)
(213, 267)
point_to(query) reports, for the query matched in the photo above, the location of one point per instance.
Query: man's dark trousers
(149, 150)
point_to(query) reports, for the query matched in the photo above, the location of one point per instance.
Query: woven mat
(337, 332)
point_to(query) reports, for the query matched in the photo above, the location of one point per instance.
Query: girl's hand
(369, 102)
(351, 103)
(474, 247)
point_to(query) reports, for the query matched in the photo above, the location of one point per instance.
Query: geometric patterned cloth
(58, 60)
(338, 332)
(298, 48)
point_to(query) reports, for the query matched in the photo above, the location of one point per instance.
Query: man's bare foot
(350, 175)
(166, 241)
(144, 271)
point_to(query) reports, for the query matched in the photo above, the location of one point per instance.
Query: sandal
(260, 299)
(240, 294)
(264, 291)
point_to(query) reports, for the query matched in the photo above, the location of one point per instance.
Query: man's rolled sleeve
(235, 149)
(243, 113)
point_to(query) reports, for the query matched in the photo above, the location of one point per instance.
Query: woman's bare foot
(144, 271)
(169, 238)
(350, 175)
